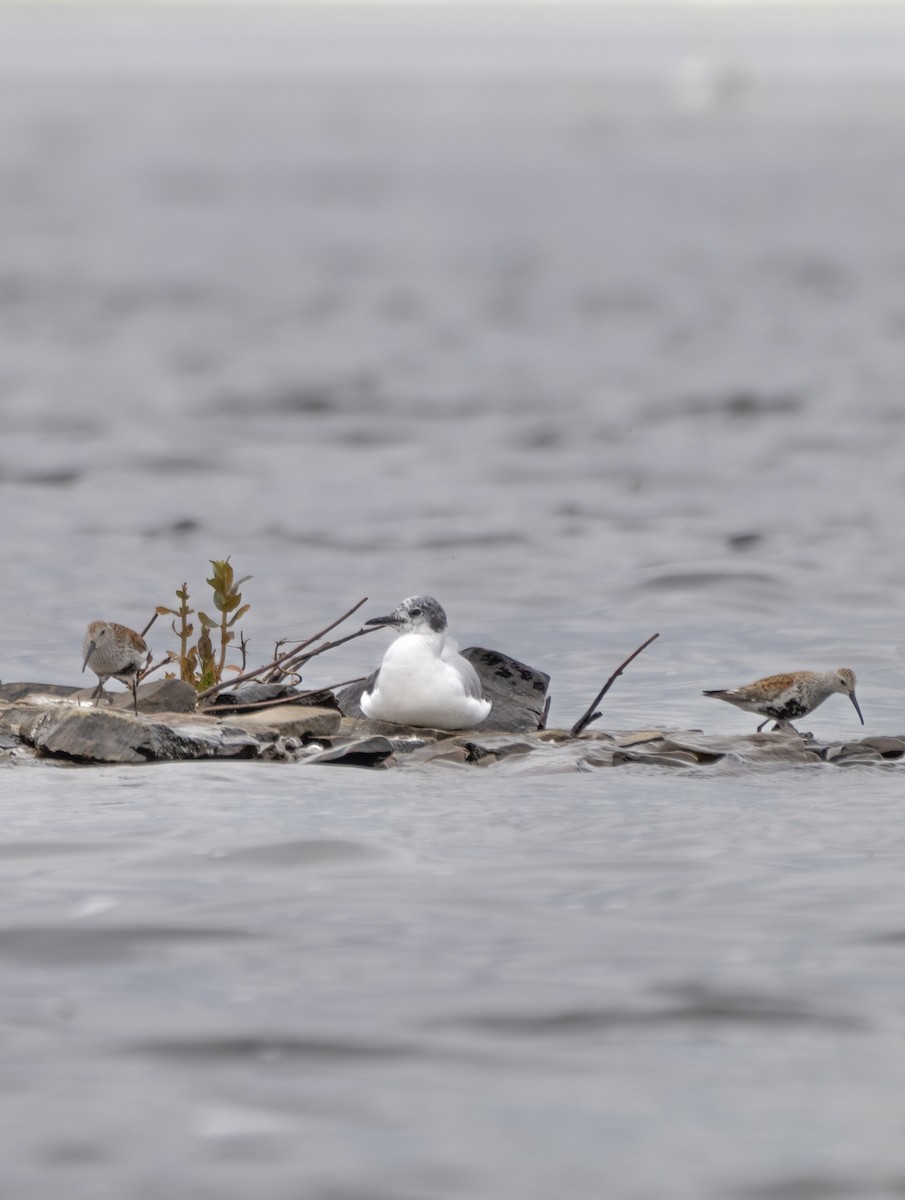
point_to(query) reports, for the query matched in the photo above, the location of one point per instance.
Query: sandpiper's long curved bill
(857, 707)
(392, 619)
(92, 646)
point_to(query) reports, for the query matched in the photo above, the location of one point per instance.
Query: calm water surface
(592, 325)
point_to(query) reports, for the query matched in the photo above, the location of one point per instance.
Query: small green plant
(200, 664)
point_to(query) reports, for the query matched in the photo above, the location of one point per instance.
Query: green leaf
(206, 621)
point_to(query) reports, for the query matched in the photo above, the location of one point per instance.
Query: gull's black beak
(857, 709)
(92, 646)
(392, 619)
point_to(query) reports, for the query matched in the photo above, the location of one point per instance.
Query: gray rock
(254, 693)
(102, 735)
(518, 691)
(251, 695)
(371, 751)
(10, 692)
(162, 696)
(290, 720)
(677, 758)
(490, 747)
(886, 747)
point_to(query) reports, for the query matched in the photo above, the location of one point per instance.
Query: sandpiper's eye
(414, 612)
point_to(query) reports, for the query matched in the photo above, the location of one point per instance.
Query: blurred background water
(591, 322)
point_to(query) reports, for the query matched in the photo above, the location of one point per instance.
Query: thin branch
(295, 663)
(149, 624)
(152, 667)
(288, 656)
(589, 714)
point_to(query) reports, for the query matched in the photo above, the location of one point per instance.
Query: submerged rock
(374, 751)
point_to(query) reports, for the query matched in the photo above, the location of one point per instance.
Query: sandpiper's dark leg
(763, 723)
(135, 693)
(97, 693)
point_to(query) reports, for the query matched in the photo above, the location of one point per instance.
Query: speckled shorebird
(423, 679)
(114, 652)
(783, 698)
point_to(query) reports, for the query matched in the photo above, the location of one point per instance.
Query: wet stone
(10, 692)
(371, 751)
(886, 747)
(253, 697)
(677, 758)
(289, 720)
(105, 736)
(164, 695)
(492, 746)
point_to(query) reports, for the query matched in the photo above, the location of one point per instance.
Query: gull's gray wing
(470, 679)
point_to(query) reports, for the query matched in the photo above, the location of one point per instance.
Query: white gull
(423, 679)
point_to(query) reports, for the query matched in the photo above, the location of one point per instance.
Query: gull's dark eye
(414, 612)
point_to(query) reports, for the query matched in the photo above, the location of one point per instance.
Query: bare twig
(154, 666)
(295, 663)
(346, 683)
(292, 656)
(149, 624)
(589, 714)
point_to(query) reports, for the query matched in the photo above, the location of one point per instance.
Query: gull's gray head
(418, 614)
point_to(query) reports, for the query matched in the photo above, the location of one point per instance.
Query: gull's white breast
(425, 681)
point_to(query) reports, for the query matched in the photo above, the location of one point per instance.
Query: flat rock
(11, 692)
(100, 735)
(290, 720)
(164, 695)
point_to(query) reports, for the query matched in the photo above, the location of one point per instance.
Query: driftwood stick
(284, 658)
(589, 714)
